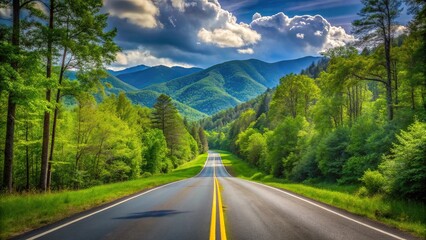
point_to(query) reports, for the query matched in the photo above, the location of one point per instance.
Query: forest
(358, 117)
(60, 133)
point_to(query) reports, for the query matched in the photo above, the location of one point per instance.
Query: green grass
(405, 215)
(20, 213)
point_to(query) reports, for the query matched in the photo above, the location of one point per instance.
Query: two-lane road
(204, 206)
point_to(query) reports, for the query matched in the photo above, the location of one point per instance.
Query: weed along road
(214, 205)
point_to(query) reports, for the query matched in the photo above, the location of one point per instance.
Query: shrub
(374, 181)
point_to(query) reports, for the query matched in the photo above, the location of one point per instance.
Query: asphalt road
(214, 205)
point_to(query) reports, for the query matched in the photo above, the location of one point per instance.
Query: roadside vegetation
(24, 212)
(406, 215)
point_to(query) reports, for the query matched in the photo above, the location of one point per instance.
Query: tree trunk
(55, 119)
(389, 100)
(27, 156)
(11, 105)
(46, 123)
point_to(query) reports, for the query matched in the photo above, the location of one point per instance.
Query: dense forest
(61, 133)
(357, 117)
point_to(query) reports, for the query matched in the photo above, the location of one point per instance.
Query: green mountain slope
(227, 84)
(148, 98)
(154, 75)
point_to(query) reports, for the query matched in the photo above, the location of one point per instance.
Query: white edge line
(111, 206)
(324, 208)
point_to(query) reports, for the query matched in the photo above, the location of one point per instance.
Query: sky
(202, 33)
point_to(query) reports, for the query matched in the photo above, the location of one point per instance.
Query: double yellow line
(217, 198)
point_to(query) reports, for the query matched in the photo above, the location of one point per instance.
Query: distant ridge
(128, 70)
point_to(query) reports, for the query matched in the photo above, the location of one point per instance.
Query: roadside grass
(406, 215)
(22, 212)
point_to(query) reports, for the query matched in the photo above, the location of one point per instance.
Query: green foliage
(405, 166)
(332, 153)
(155, 151)
(374, 181)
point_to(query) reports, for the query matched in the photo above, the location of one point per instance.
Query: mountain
(228, 84)
(128, 70)
(155, 75)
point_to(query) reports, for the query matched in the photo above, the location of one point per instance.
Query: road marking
(221, 218)
(111, 206)
(324, 208)
(213, 217)
(217, 200)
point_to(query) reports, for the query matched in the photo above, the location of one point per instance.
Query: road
(214, 205)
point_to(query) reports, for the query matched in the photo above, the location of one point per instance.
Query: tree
(204, 147)
(294, 97)
(378, 24)
(86, 46)
(16, 77)
(46, 119)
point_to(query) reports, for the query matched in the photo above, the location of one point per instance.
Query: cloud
(141, 13)
(304, 35)
(139, 56)
(224, 31)
(232, 35)
(201, 33)
(246, 51)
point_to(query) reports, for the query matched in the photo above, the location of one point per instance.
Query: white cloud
(246, 51)
(139, 56)
(304, 34)
(141, 13)
(224, 31)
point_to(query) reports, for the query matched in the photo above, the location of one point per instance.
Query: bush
(374, 181)
(405, 167)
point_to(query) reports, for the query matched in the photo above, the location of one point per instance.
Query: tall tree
(46, 119)
(377, 25)
(165, 117)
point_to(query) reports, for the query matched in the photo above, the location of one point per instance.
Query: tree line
(359, 121)
(60, 133)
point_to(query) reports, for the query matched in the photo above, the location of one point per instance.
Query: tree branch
(369, 79)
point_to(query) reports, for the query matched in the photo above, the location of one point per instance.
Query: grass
(406, 215)
(21, 213)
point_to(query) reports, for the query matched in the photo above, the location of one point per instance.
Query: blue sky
(206, 32)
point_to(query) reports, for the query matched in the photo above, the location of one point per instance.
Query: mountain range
(198, 92)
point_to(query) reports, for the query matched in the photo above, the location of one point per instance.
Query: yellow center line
(216, 188)
(213, 218)
(221, 219)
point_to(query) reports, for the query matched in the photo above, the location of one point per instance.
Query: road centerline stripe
(213, 216)
(221, 218)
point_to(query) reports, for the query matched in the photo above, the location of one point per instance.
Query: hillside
(155, 75)
(227, 84)
(148, 98)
